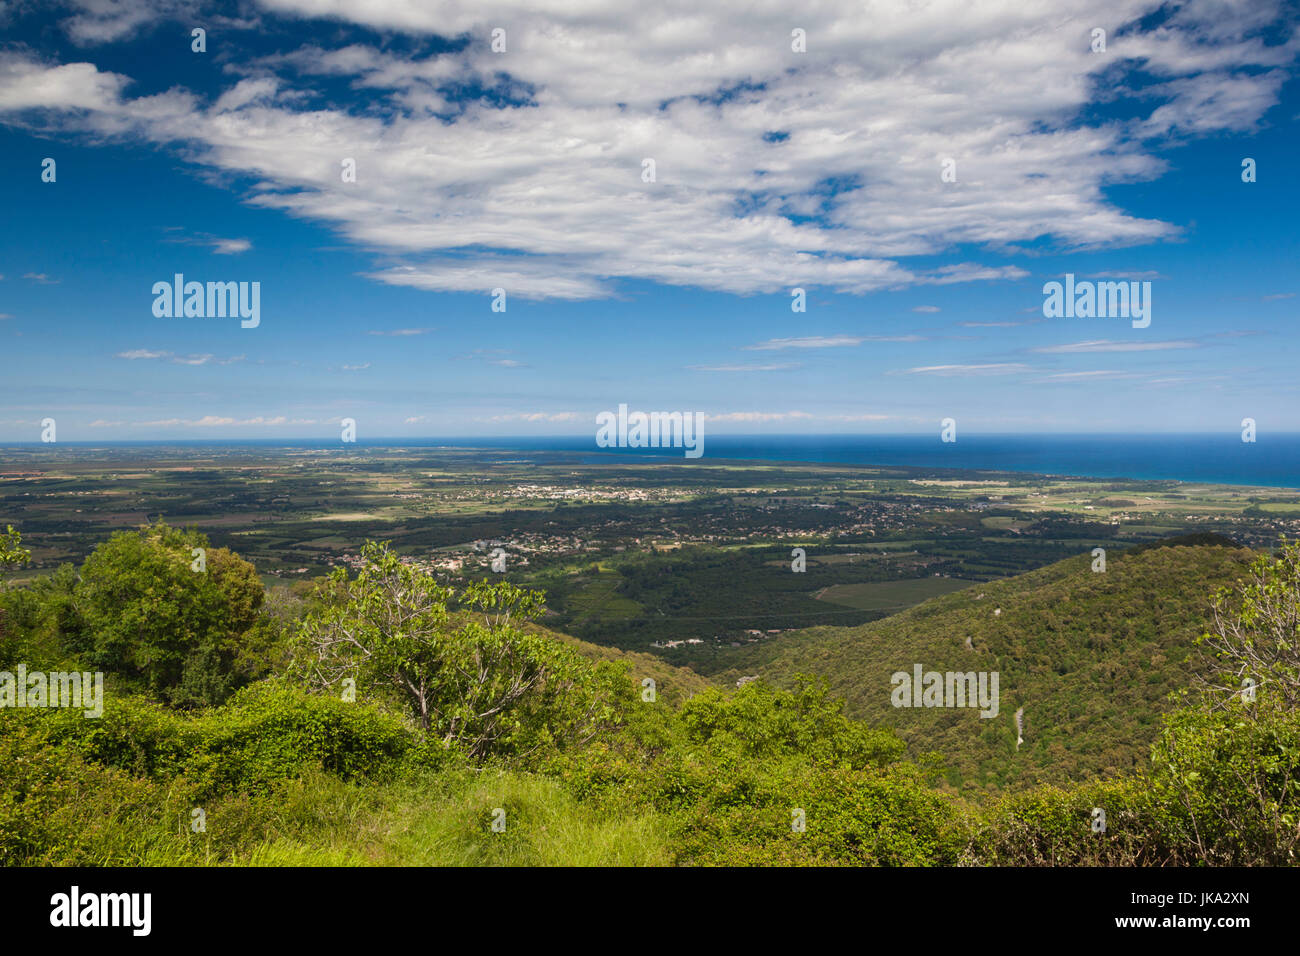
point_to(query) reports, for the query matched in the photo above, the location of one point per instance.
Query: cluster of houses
(751, 636)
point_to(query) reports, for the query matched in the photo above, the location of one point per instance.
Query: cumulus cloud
(773, 168)
(27, 83)
(101, 21)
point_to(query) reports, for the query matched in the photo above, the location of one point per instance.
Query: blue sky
(523, 170)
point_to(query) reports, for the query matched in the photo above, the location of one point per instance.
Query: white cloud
(992, 368)
(539, 417)
(827, 342)
(807, 342)
(758, 416)
(196, 359)
(1105, 345)
(220, 421)
(230, 247)
(1148, 276)
(545, 198)
(1085, 376)
(100, 21)
(26, 83)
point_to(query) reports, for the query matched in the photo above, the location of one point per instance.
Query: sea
(1273, 460)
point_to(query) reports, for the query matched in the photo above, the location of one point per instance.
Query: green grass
(1004, 522)
(430, 820)
(890, 595)
(543, 826)
(596, 598)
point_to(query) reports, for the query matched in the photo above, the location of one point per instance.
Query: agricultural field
(685, 560)
(890, 595)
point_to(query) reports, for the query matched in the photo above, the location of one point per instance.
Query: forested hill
(1091, 657)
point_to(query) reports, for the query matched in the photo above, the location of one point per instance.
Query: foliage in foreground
(487, 686)
(580, 767)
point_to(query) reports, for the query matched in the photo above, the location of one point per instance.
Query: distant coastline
(1220, 458)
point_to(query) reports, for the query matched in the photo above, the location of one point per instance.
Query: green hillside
(673, 685)
(1091, 657)
(385, 718)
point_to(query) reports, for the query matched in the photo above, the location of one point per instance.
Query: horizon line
(569, 436)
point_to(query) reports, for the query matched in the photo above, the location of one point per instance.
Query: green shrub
(474, 678)
(760, 721)
(1054, 826)
(266, 733)
(177, 623)
(57, 808)
(1226, 783)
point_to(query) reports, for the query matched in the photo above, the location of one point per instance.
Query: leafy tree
(1228, 787)
(178, 621)
(761, 722)
(41, 624)
(487, 685)
(12, 553)
(1256, 630)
